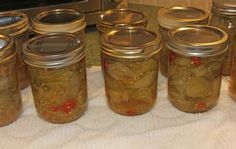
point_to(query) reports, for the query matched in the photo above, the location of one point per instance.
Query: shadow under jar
(56, 65)
(130, 58)
(10, 97)
(196, 56)
(111, 19)
(224, 17)
(16, 24)
(59, 20)
(171, 17)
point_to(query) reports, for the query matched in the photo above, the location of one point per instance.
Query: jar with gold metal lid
(59, 20)
(171, 17)
(10, 97)
(130, 57)
(224, 17)
(196, 55)
(56, 65)
(16, 24)
(111, 19)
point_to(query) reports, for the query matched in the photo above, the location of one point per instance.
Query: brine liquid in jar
(195, 64)
(130, 72)
(171, 17)
(224, 17)
(10, 97)
(58, 76)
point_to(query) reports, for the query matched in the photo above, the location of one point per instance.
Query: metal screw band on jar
(224, 7)
(211, 40)
(53, 50)
(7, 50)
(121, 17)
(130, 42)
(58, 20)
(15, 23)
(171, 17)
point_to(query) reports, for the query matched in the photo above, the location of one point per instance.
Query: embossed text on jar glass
(196, 56)
(171, 17)
(130, 58)
(16, 24)
(56, 65)
(10, 97)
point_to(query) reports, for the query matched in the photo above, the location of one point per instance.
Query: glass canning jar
(17, 25)
(224, 17)
(130, 57)
(59, 20)
(232, 79)
(56, 65)
(196, 55)
(10, 97)
(171, 17)
(110, 19)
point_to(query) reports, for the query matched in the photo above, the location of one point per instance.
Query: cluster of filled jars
(192, 55)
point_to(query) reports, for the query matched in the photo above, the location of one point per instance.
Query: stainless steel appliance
(91, 8)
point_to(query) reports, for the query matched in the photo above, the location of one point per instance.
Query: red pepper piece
(171, 57)
(69, 105)
(131, 113)
(196, 61)
(201, 105)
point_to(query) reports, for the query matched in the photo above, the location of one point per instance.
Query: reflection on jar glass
(10, 97)
(59, 20)
(130, 58)
(171, 17)
(224, 17)
(17, 25)
(195, 64)
(56, 65)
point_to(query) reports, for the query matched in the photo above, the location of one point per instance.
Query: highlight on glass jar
(196, 55)
(111, 19)
(232, 79)
(130, 58)
(171, 17)
(59, 20)
(16, 24)
(56, 65)
(10, 97)
(224, 17)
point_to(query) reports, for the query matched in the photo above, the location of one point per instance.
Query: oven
(91, 8)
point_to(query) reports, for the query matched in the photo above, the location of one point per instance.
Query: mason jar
(224, 17)
(16, 24)
(111, 19)
(196, 54)
(10, 97)
(130, 57)
(59, 20)
(171, 17)
(232, 79)
(56, 65)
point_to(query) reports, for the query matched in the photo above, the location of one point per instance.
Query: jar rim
(7, 47)
(170, 21)
(139, 49)
(197, 47)
(16, 28)
(47, 57)
(72, 26)
(224, 8)
(106, 24)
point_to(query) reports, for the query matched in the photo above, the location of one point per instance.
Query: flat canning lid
(53, 50)
(14, 23)
(130, 42)
(172, 17)
(121, 17)
(197, 40)
(58, 20)
(224, 7)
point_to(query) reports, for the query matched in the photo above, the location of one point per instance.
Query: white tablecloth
(164, 127)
